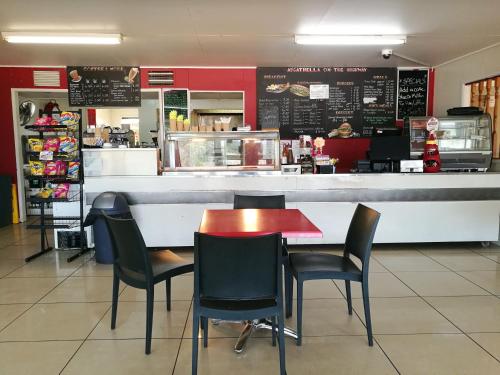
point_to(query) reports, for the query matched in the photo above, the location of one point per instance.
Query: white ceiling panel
(249, 32)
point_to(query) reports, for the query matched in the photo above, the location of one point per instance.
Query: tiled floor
(435, 310)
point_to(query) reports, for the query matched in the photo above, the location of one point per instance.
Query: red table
(291, 223)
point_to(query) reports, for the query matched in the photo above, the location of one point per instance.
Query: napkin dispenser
(411, 166)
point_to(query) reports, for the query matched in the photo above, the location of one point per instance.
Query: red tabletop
(291, 223)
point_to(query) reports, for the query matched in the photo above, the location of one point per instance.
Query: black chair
(259, 201)
(316, 266)
(237, 279)
(140, 268)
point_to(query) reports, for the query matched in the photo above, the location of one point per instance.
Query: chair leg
(288, 293)
(196, 328)
(114, 304)
(348, 296)
(273, 330)
(300, 286)
(204, 326)
(281, 342)
(368, 320)
(168, 287)
(149, 317)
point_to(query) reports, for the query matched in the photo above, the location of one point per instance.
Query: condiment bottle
(289, 156)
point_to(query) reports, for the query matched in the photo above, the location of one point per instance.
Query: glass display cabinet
(465, 142)
(222, 151)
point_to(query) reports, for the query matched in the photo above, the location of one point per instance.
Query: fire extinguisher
(432, 160)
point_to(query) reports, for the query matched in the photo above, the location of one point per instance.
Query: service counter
(444, 207)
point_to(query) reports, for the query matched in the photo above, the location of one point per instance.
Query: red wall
(191, 78)
(347, 150)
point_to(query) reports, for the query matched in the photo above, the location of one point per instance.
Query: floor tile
(16, 252)
(489, 280)
(124, 357)
(317, 289)
(494, 256)
(471, 314)
(398, 261)
(466, 262)
(10, 312)
(437, 354)
(9, 265)
(393, 247)
(317, 355)
(41, 358)
(439, 284)
(26, 290)
(57, 321)
(379, 285)
(82, 289)
(182, 290)
(131, 321)
(322, 317)
(489, 341)
(92, 268)
(404, 316)
(50, 265)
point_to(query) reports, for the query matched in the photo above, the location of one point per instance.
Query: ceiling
(249, 32)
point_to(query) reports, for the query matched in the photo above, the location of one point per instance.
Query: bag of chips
(61, 191)
(35, 144)
(51, 168)
(51, 144)
(67, 144)
(60, 168)
(37, 168)
(73, 170)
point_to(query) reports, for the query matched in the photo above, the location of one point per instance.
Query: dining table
(290, 222)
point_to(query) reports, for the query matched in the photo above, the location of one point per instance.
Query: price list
(102, 86)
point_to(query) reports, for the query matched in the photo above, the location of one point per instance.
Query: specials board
(412, 92)
(104, 86)
(316, 101)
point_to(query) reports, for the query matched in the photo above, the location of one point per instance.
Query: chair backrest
(243, 268)
(361, 232)
(259, 201)
(129, 249)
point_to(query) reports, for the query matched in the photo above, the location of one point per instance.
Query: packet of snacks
(67, 144)
(37, 168)
(45, 192)
(61, 191)
(35, 144)
(51, 168)
(60, 167)
(51, 144)
(73, 170)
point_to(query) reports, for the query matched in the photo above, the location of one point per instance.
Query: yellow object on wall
(15, 210)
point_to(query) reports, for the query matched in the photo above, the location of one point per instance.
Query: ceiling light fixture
(349, 40)
(61, 38)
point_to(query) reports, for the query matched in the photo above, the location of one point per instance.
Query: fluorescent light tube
(350, 40)
(61, 38)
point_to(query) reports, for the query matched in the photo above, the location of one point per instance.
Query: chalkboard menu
(175, 100)
(412, 93)
(315, 101)
(104, 86)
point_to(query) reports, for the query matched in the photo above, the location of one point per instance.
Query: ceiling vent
(160, 78)
(47, 78)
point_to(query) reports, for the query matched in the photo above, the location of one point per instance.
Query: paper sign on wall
(319, 91)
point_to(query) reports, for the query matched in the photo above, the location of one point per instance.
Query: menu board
(315, 101)
(176, 100)
(104, 86)
(412, 93)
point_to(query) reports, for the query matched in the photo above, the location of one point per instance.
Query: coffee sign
(104, 86)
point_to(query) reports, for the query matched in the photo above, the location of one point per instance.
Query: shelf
(54, 179)
(50, 226)
(47, 200)
(47, 128)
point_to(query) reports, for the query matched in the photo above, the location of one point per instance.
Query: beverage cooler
(465, 142)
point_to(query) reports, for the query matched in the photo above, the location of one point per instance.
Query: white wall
(451, 77)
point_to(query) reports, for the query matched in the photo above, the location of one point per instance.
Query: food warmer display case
(465, 142)
(222, 151)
